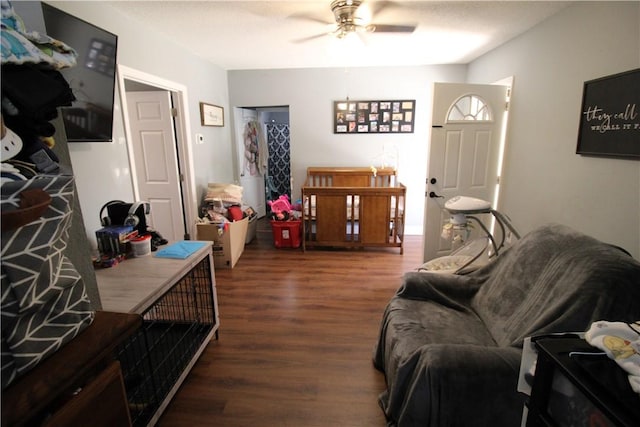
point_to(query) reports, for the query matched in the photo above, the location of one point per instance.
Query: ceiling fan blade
(309, 38)
(363, 39)
(381, 28)
(378, 6)
(311, 18)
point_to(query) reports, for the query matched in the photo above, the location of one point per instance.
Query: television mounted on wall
(92, 80)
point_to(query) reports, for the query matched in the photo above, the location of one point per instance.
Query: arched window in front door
(469, 108)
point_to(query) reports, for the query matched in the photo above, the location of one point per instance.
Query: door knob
(433, 195)
(433, 180)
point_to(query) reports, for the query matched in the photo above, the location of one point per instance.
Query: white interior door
(251, 151)
(156, 161)
(466, 136)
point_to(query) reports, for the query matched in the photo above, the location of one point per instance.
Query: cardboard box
(228, 246)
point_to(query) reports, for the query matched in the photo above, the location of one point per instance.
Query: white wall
(310, 93)
(102, 169)
(544, 180)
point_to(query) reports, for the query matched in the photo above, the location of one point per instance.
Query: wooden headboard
(350, 177)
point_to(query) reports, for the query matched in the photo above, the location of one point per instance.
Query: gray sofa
(450, 345)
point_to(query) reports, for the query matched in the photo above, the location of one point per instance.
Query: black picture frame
(610, 116)
(362, 117)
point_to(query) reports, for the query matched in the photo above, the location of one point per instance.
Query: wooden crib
(352, 207)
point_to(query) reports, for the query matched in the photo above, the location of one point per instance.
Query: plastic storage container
(286, 234)
(251, 229)
(141, 246)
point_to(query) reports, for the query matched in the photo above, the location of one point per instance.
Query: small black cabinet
(577, 385)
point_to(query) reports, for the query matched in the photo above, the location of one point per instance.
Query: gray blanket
(450, 345)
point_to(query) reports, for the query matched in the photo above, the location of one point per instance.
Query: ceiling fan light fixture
(344, 8)
(355, 17)
(344, 12)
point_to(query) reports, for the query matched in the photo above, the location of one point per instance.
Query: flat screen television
(92, 80)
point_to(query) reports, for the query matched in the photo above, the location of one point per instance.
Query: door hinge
(174, 112)
(181, 177)
(506, 106)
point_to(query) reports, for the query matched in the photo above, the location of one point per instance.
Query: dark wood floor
(296, 337)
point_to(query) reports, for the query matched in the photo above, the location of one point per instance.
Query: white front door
(250, 153)
(466, 135)
(156, 160)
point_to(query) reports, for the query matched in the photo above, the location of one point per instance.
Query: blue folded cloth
(181, 250)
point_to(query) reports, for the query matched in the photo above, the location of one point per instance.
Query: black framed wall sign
(610, 116)
(352, 117)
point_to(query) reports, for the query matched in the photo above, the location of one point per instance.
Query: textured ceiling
(239, 35)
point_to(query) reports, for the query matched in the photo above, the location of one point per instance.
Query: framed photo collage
(374, 116)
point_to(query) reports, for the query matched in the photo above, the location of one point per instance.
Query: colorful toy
(280, 207)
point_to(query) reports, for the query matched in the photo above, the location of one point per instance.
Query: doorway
(263, 146)
(176, 161)
(467, 140)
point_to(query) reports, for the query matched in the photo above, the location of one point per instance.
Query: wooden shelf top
(133, 285)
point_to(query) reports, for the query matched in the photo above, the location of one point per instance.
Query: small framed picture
(211, 115)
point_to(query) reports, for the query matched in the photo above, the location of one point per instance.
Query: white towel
(621, 342)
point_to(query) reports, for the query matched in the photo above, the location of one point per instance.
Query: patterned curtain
(279, 159)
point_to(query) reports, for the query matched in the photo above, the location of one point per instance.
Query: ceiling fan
(354, 16)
